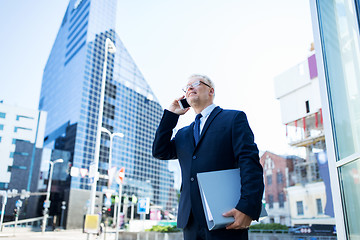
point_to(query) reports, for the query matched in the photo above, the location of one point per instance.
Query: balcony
(305, 131)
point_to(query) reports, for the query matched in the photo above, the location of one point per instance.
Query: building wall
(20, 172)
(274, 167)
(17, 123)
(308, 195)
(293, 88)
(77, 207)
(20, 175)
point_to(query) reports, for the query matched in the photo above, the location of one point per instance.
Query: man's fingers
(182, 97)
(229, 213)
(234, 225)
(241, 221)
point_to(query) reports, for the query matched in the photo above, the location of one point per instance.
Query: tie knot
(198, 117)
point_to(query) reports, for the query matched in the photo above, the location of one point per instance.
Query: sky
(241, 45)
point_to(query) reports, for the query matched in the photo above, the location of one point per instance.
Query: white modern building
(17, 123)
(298, 91)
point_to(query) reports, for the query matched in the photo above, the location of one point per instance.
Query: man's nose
(190, 87)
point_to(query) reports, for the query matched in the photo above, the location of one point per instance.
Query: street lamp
(111, 135)
(47, 202)
(109, 47)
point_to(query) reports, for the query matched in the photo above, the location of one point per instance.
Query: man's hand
(242, 221)
(175, 107)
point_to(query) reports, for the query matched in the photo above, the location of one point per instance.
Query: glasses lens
(195, 84)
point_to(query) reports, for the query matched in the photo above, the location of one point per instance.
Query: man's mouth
(191, 93)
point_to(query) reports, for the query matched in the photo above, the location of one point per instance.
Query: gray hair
(205, 78)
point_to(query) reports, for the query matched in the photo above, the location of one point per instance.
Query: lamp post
(47, 202)
(109, 47)
(111, 135)
(4, 200)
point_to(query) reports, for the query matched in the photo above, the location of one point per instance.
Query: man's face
(200, 94)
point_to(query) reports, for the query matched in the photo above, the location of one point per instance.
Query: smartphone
(183, 103)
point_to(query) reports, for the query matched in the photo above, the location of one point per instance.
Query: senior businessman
(218, 139)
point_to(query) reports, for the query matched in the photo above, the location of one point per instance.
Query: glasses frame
(194, 84)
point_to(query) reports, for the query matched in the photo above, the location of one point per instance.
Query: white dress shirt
(205, 115)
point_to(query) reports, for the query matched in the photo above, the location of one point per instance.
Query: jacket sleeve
(163, 147)
(251, 171)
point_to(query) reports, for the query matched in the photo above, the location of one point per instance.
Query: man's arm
(163, 147)
(252, 185)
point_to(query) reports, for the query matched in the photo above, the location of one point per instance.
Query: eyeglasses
(195, 84)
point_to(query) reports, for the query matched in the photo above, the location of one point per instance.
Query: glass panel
(340, 42)
(350, 182)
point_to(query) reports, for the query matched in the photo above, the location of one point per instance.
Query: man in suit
(218, 139)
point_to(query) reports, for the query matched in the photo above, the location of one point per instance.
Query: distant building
(70, 93)
(17, 124)
(33, 206)
(297, 89)
(278, 174)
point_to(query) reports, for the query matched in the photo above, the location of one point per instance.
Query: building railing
(305, 131)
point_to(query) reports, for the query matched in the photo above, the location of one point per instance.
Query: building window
(3, 185)
(269, 179)
(17, 128)
(300, 208)
(319, 206)
(307, 106)
(2, 115)
(21, 153)
(271, 201)
(18, 117)
(281, 200)
(279, 178)
(1, 127)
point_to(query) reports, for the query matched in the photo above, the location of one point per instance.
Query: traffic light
(15, 212)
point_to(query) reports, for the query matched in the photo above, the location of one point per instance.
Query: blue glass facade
(71, 93)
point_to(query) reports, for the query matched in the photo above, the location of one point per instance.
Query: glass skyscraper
(70, 94)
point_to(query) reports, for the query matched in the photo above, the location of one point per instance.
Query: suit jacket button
(192, 179)
(194, 157)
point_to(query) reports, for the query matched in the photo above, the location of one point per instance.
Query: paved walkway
(8, 234)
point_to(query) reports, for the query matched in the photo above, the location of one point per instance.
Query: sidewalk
(27, 234)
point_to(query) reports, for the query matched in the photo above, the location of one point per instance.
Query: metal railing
(30, 222)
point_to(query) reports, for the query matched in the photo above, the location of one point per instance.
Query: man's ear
(212, 92)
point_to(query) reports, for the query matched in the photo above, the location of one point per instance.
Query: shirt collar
(206, 112)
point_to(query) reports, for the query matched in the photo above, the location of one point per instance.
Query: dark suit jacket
(226, 142)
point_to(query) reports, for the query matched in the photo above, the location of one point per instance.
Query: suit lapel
(191, 133)
(212, 116)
